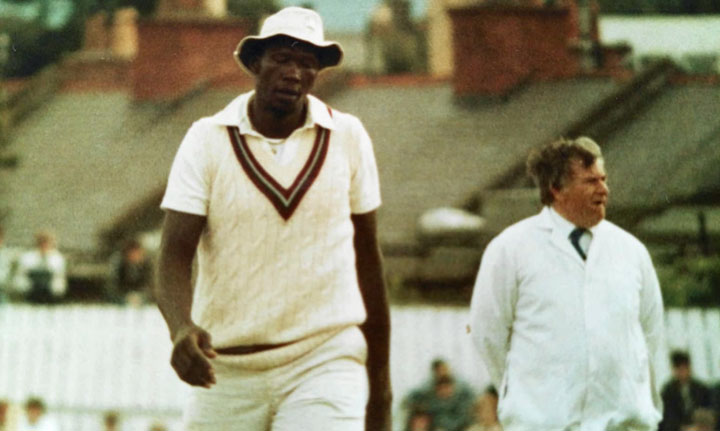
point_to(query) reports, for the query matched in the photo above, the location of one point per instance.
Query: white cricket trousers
(324, 390)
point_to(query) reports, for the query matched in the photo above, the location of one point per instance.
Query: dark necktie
(575, 240)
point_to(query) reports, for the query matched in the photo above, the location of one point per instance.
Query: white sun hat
(298, 23)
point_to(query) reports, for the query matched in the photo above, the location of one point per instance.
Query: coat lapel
(557, 238)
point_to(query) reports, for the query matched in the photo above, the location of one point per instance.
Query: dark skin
(284, 74)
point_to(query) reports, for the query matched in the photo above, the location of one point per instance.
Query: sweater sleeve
(188, 186)
(365, 184)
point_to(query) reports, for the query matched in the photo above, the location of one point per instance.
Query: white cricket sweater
(265, 279)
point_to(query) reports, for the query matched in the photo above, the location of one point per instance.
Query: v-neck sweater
(265, 277)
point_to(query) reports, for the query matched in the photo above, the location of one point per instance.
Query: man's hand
(191, 350)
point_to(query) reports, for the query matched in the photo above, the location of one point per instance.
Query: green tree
(627, 7)
(691, 282)
(254, 10)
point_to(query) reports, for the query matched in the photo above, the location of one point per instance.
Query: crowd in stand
(33, 416)
(39, 275)
(444, 403)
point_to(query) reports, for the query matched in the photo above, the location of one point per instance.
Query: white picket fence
(84, 360)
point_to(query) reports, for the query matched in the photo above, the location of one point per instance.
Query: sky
(350, 16)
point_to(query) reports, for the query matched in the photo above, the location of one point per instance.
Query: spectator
(485, 412)
(131, 275)
(715, 393)
(420, 420)
(5, 267)
(682, 395)
(449, 408)
(8, 416)
(4, 407)
(41, 272)
(703, 420)
(439, 368)
(35, 418)
(158, 426)
(111, 420)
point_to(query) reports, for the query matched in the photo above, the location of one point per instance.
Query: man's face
(33, 414)
(441, 370)
(583, 197)
(682, 372)
(284, 75)
(136, 255)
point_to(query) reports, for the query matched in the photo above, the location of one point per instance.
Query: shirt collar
(565, 225)
(236, 114)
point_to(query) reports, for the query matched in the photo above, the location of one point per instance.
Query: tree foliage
(691, 282)
(253, 10)
(670, 7)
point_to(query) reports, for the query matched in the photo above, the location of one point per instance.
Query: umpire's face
(583, 197)
(284, 74)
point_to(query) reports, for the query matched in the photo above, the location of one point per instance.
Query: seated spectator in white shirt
(40, 274)
(35, 418)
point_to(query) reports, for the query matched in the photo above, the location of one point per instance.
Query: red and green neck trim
(284, 200)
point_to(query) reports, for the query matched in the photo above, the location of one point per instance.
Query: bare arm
(377, 327)
(173, 292)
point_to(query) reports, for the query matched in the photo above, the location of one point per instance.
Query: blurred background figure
(5, 268)
(111, 420)
(8, 416)
(485, 412)
(131, 275)
(40, 275)
(439, 368)
(703, 420)
(450, 408)
(35, 418)
(447, 401)
(420, 420)
(158, 426)
(715, 397)
(682, 395)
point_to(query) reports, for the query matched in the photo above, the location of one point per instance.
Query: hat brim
(330, 53)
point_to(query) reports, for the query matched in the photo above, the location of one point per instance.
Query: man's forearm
(173, 291)
(376, 328)
(377, 335)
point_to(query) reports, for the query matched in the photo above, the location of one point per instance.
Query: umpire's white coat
(571, 345)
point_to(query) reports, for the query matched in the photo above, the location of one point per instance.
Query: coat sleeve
(492, 308)
(651, 320)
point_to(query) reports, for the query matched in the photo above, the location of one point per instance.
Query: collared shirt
(571, 344)
(276, 260)
(286, 149)
(566, 226)
(189, 183)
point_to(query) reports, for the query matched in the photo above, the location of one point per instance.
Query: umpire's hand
(191, 350)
